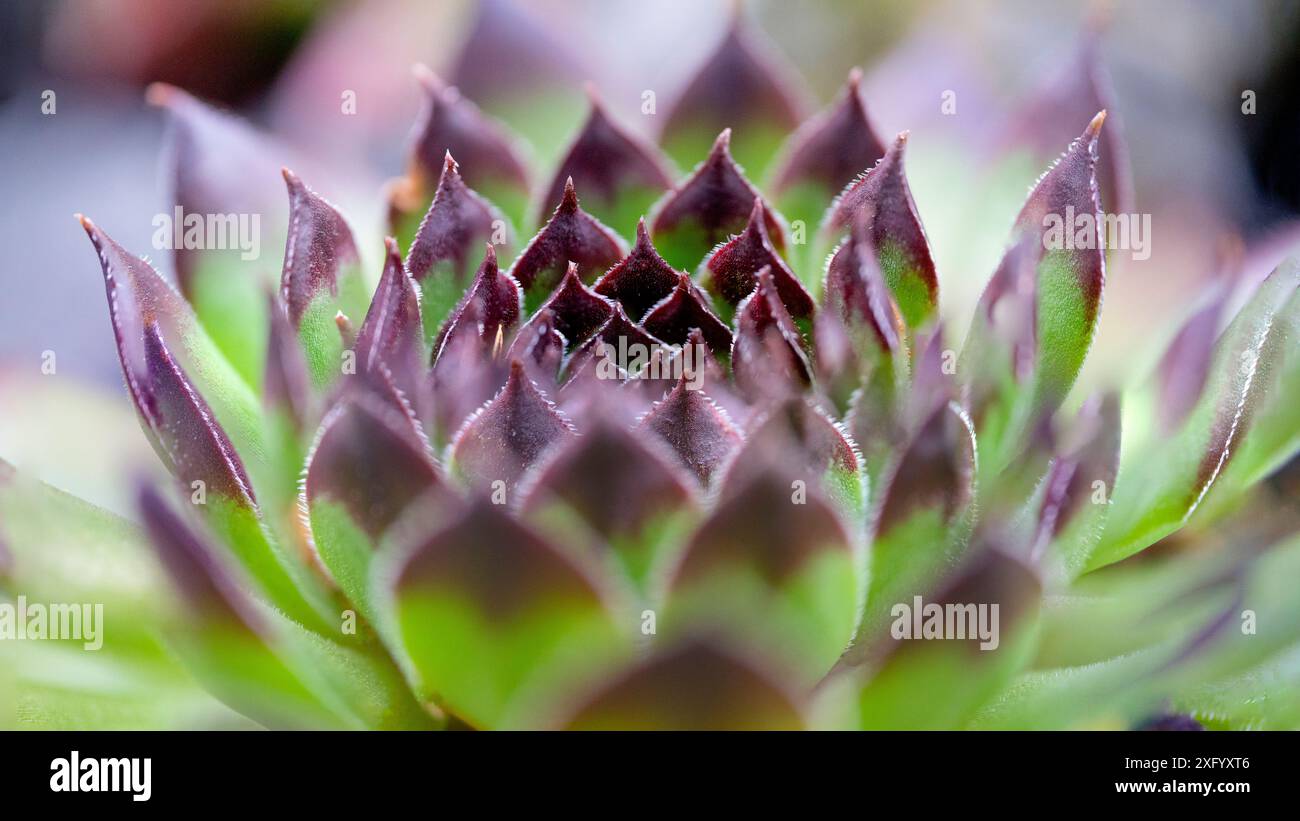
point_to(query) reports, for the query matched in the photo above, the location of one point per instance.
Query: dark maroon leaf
(767, 357)
(450, 123)
(179, 424)
(742, 82)
(319, 245)
(695, 427)
(392, 334)
(732, 269)
(755, 522)
(490, 308)
(712, 203)
(798, 434)
(370, 458)
(641, 279)
(508, 434)
(684, 310)
(857, 294)
(508, 52)
(576, 311)
(465, 373)
(217, 164)
(540, 347)
(619, 333)
(934, 471)
(883, 199)
(501, 566)
(590, 474)
(571, 235)
(457, 222)
(834, 146)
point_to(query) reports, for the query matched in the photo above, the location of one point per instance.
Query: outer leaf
(913, 685)
(1161, 485)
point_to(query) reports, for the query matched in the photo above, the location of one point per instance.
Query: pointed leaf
(832, 148)
(686, 309)
(695, 427)
(731, 271)
(712, 203)
(571, 235)
(744, 81)
(620, 175)
(508, 434)
(882, 198)
(440, 258)
(450, 123)
(641, 279)
(767, 357)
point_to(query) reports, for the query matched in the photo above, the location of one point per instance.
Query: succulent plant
(673, 461)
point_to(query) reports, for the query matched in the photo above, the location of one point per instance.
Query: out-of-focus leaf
(450, 123)
(923, 516)
(699, 431)
(824, 156)
(1081, 88)
(744, 82)
(912, 685)
(693, 686)
(1161, 483)
(1077, 489)
(774, 565)
(492, 616)
(254, 659)
(583, 496)
(223, 178)
(620, 175)
(367, 464)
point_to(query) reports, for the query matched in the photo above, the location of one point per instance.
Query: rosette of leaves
(440, 497)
